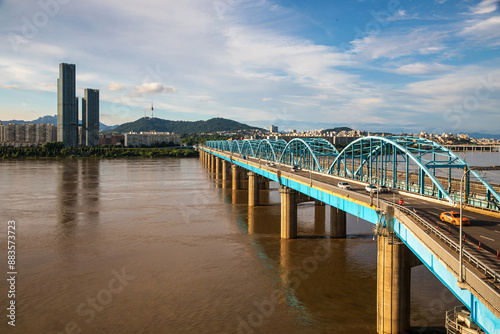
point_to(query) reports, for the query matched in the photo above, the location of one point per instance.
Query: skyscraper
(90, 117)
(67, 105)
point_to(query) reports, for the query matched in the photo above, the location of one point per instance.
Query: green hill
(162, 125)
(337, 129)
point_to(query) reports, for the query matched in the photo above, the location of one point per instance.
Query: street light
(461, 224)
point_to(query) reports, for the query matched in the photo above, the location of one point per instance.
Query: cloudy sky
(393, 65)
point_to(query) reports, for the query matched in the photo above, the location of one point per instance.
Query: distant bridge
(418, 169)
(475, 148)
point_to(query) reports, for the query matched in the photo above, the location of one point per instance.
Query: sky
(394, 65)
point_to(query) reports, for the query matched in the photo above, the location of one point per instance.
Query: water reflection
(78, 201)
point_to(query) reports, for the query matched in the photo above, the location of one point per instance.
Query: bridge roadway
(485, 227)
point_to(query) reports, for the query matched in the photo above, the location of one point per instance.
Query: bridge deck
(484, 228)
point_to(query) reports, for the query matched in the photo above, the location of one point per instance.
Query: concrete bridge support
(217, 167)
(236, 177)
(393, 285)
(224, 173)
(319, 217)
(253, 189)
(338, 223)
(288, 213)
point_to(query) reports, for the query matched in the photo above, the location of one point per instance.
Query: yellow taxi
(453, 218)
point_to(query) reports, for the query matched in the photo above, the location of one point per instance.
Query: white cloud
(13, 87)
(485, 7)
(392, 46)
(483, 30)
(267, 99)
(115, 87)
(154, 88)
(420, 68)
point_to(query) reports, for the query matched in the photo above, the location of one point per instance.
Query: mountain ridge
(146, 124)
(53, 120)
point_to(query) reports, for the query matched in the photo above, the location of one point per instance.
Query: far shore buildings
(27, 134)
(151, 138)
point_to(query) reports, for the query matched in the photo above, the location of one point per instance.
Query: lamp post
(466, 170)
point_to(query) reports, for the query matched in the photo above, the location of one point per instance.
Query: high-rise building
(90, 117)
(67, 105)
(274, 129)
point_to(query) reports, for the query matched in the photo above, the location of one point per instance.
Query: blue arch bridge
(430, 177)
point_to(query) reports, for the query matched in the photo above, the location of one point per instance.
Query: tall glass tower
(90, 117)
(67, 105)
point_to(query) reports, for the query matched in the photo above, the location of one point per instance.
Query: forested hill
(162, 125)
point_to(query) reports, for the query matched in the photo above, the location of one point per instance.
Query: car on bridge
(371, 188)
(344, 185)
(270, 164)
(295, 168)
(383, 189)
(453, 218)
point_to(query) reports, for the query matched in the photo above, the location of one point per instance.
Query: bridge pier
(394, 263)
(224, 173)
(288, 213)
(253, 189)
(319, 217)
(236, 177)
(217, 167)
(338, 223)
(212, 163)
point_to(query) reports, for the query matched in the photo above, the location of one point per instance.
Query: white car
(344, 185)
(371, 188)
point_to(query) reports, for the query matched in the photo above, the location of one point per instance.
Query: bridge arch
(384, 160)
(235, 146)
(270, 149)
(310, 153)
(249, 147)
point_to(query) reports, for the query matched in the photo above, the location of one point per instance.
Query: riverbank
(57, 150)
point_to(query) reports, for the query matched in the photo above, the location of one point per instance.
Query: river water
(156, 246)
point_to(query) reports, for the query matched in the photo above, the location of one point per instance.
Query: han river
(157, 246)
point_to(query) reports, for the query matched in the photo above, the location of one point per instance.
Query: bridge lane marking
(497, 231)
(487, 238)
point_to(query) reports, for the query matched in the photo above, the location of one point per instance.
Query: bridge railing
(481, 266)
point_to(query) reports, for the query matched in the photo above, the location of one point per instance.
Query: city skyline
(380, 66)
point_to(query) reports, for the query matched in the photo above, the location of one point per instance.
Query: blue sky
(376, 65)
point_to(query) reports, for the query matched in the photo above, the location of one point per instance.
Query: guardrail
(458, 322)
(481, 266)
